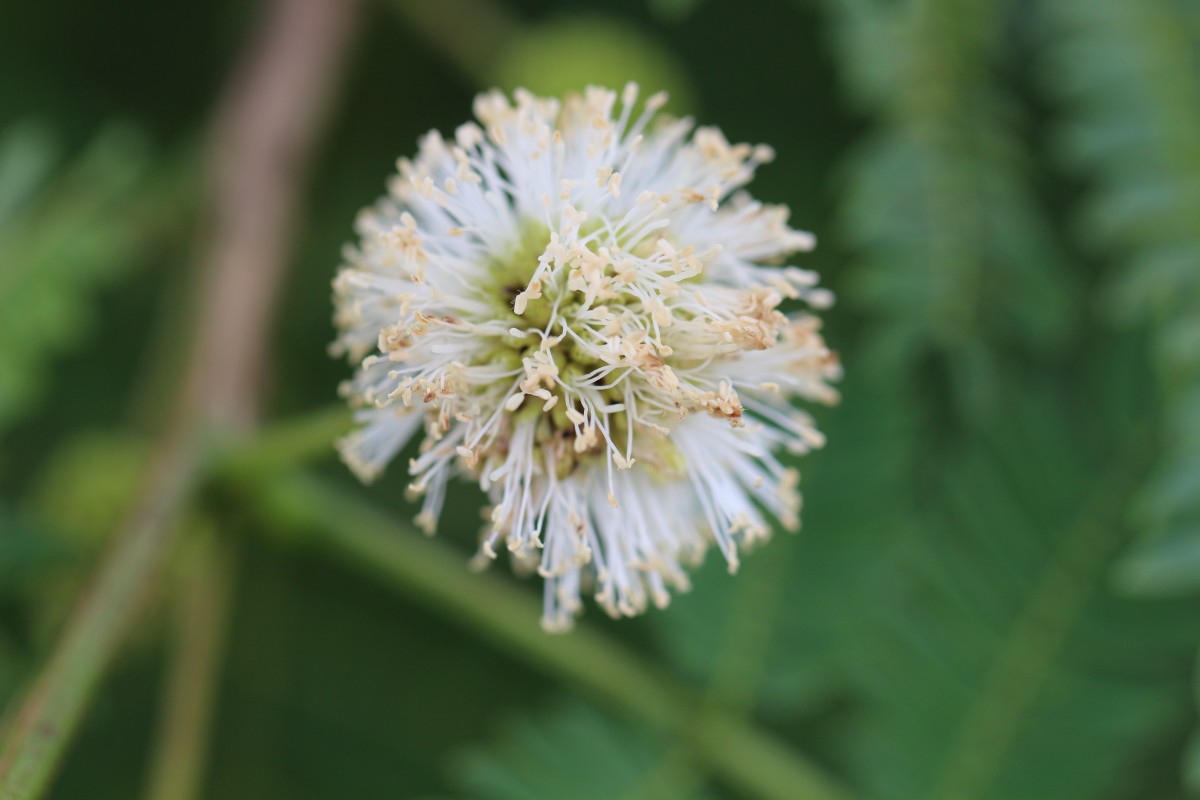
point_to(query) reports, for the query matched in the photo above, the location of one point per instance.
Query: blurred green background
(995, 593)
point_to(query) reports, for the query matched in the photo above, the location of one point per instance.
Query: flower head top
(571, 299)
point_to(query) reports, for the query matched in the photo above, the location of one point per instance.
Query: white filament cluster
(580, 308)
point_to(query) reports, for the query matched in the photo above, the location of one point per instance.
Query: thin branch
(263, 138)
(199, 621)
(262, 141)
(729, 747)
(51, 711)
(285, 444)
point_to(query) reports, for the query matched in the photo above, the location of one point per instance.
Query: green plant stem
(264, 136)
(731, 690)
(757, 764)
(287, 444)
(313, 514)
(199, 622)
(55, 704)
(1022, 666)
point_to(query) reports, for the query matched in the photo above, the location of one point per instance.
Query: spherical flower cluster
(580, 309)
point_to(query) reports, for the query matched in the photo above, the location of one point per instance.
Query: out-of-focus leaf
(567, 54)
(674, 10)
(1168, 563)
(87, 486)
(997, 661)
(956, 262)
(1128, 75)
(27, 550)
(83, 494)
(810, 589)
(27, 154)
(1191, 761)
(62, 235)
(580, 753)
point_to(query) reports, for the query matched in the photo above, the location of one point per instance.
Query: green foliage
(1129, 77)
(957, 261)
(778, 636)
(64, 232)
(1002, 631)
(568, 54)
(100, 473)
(28, 551)
(673, 9)
(998, 614)
(577, 752)
(947, 625)
(1129, 74)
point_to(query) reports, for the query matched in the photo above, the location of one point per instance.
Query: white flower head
(573, 301)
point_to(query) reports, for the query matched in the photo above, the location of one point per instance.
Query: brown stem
(263, 138)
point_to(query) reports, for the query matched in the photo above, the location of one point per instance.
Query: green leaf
(999, 662)
(27, 154)
(1191, 762)
(783, 628)
(1128, 75)
(956, 263)
(64, 232)
(1168, 563)
(578, 752)
(674, 10)
(27, 551)
(570, 53)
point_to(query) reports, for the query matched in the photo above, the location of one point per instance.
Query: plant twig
(200, 618)
(286, 444)
(726, 745)
(263, 137)
(52, 709)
